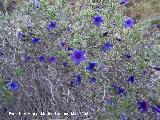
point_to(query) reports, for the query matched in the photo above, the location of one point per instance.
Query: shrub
(78, 59)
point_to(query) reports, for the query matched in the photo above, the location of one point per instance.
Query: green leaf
(2, 81)
(44, 3)
(18, 72)
(63, 53)
(153, 22)
(6, 94)
(125, 103)
(142, 64)
(51, 15)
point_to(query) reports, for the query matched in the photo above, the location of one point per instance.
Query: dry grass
(137, 8)
(143, 9)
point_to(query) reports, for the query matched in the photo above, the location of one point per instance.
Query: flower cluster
(77, 55)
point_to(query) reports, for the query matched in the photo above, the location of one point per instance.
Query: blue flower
(110, 102)
(127, 56)
(36, 40)
(65, 64)
(41, 58)
(123, 116)
(36, 3)
(124, 2)
(69, 29)
(69, 53)
(156, 109)
(78, 56)
(128, 23)
(13, 86)
(108, 46)
(52, 59)
(72, 83)
(77, 80)
(119, 89)
(20, 34)
(1, 52)
(145, 72)
(143, 106)
(93, 79)
(69, 48)
(97, 20)
(52, 25)
(131, 79)
(156, 68)
(91, 66)
(62, 44)
(114, 86)
(27, 58)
